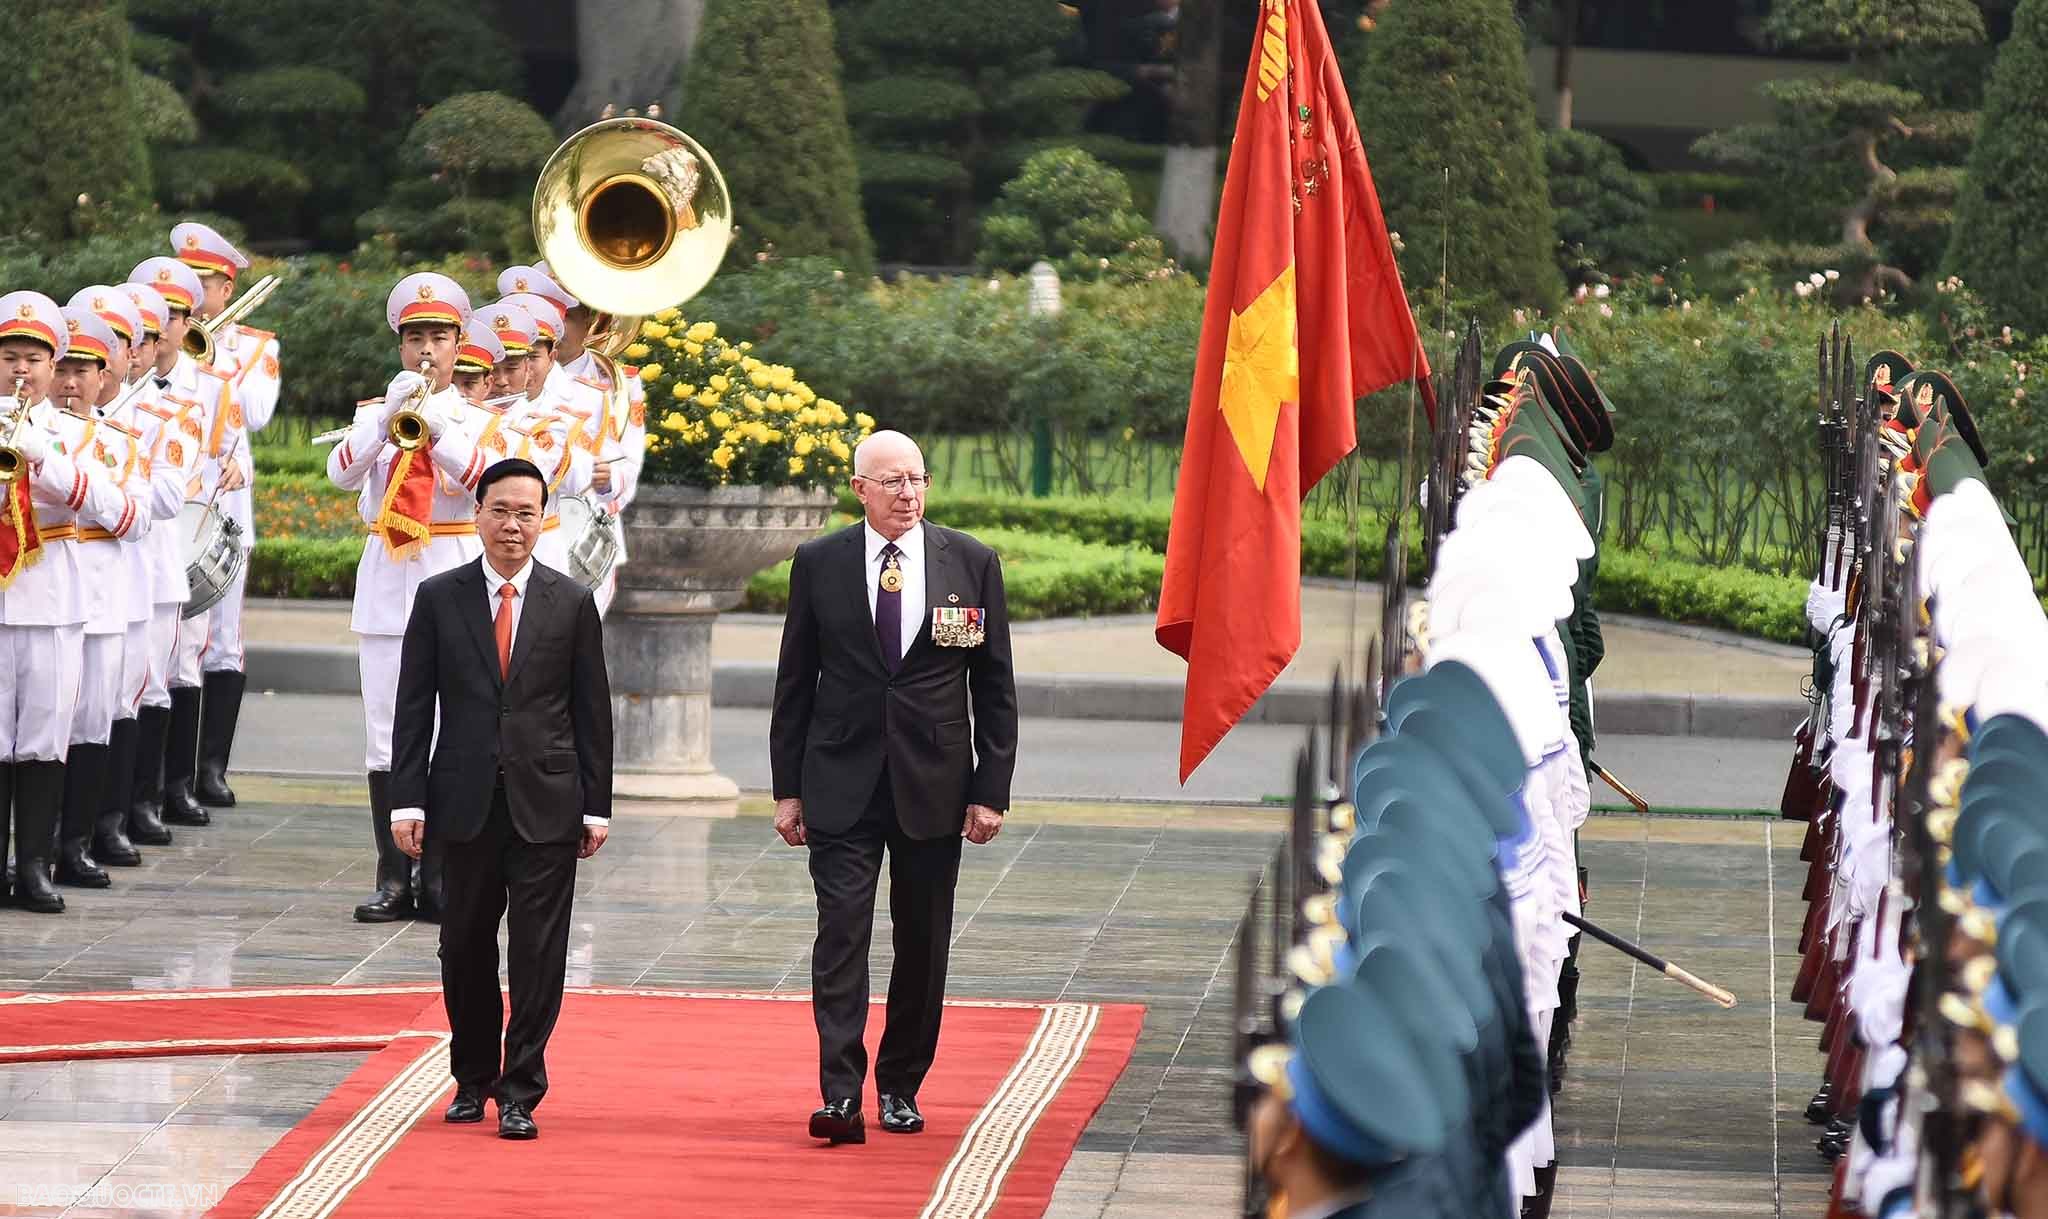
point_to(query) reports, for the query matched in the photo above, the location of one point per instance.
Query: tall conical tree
(67, 117)
(762, 94)
(1998, 245)
(1446, 83)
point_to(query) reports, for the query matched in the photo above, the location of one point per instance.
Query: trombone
(199, 335)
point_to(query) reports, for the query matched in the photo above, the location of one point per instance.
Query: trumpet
(335, 435)
(12, 464)
(199, 335)
(408, 427)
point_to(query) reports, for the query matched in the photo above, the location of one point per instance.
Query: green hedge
(304, 567)
(1771, 607)
(1043, 577)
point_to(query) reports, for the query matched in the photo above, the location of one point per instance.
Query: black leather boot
(393, 899)
(181, 758)
(110, 842)
(38, 804)
(85, 773)
(1822, 1105)
(146, 785)
(6, 832)
(221, 708)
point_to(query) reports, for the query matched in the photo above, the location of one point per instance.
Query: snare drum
(212, 547)
(593, 540)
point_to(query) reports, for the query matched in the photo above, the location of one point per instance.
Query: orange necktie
(504, 627)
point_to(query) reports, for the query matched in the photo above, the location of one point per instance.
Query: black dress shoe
(1822, 1105)
(839, 1121)
(514, 1122)
(466, 1107)
(900, 1115)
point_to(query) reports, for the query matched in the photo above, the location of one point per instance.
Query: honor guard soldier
(196, 396)
(248, 359)
(413, 457)
(42, 596)
(103, 450)
(120, 410)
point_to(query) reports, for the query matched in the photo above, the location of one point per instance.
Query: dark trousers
(845, 868)
(484, 877)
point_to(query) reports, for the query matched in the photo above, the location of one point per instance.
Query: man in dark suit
(896, 628)
(518, 789)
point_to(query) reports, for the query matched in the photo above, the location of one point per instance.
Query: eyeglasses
(499, 516)
(896, 484)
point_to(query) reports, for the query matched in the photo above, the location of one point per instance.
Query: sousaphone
(632, 217)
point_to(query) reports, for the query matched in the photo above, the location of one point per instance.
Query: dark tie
(163, 382)
(889, 612)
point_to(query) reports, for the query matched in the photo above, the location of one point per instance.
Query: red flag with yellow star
(1305, 314)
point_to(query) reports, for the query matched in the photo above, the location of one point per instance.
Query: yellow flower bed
(716, 415)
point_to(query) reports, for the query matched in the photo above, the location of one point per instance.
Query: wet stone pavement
(1669, 1108)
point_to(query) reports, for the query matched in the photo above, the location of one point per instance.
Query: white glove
(400, 391)
(33, 443)
(1824, 605)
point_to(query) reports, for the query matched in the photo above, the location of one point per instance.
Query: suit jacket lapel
(855, 578)
(477, 616)
(533, 618)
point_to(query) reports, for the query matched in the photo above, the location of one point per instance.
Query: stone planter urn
(690, 553)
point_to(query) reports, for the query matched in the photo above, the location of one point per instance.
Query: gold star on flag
(1261, 371)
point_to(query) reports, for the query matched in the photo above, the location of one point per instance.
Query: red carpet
(662, 1103)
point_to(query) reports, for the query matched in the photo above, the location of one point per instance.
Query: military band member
(102, 450)
(248, 358)
(420, 508)
(540, 357)
(120, 407)
(475, 357)
(605, 397)
(170, 437)
(199, 396)
(539, 431)
(516, 330)
(42, 606)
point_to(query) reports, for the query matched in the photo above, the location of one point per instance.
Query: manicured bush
(1998, 246)
(1604, 219)
(762, 93)
(304, 567)
(1447, 83)
(1043, 577)
(945, 101)
(1072, 210)
(67, 124)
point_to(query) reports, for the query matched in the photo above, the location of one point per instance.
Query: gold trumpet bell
(632, 217)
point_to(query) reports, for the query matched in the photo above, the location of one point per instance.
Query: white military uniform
(247, 359)
(104, 536)
(385, 585)
(610, 413)
(196, 396)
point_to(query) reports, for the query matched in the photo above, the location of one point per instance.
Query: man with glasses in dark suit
(894, 731)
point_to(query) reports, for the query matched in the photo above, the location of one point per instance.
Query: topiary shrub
(1072, 210)
(1998, 246)
(762, 93)
(1603, 209)
(72, 92)
(1446, 83)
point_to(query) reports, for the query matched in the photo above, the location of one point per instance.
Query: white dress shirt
(911, 564)
(492, 583)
